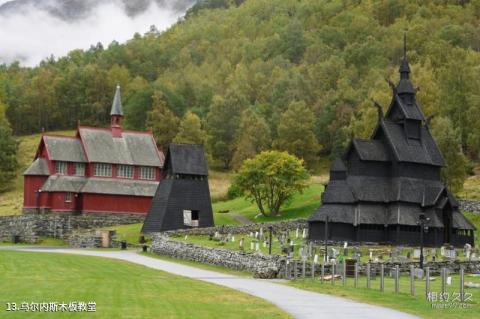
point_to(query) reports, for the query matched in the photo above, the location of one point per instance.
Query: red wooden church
(100, 170)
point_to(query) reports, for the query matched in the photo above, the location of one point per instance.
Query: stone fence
(262, 266)
(243, 229)
(470, 205)
(30, 227)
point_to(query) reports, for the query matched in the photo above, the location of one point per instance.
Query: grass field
(44, 241)
(120, 290)
(301, 206)
(403, 301)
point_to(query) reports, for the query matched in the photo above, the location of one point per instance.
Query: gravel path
(300, 303)
(241, 219)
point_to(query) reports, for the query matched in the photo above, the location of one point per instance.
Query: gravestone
(467, 249)
(416, 253)
(418, 273)
(450, 254)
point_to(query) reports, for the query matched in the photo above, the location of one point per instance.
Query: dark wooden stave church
(380, 187)
(182, 199)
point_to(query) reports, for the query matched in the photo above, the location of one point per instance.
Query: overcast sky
(34, 35)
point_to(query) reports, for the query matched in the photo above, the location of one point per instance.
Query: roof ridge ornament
(379, 109)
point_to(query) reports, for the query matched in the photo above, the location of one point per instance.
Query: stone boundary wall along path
(262, 266)
(30, 227)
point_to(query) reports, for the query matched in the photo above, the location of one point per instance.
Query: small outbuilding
(182, 199)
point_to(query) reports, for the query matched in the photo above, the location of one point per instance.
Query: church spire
(116, 114)
(117, 103)
(405, 86)
(404, 67)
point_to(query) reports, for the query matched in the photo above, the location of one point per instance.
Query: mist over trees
(283, 60)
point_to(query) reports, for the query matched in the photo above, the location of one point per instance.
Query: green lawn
(44, 241)
(403, 301)
(120, 290)
(130, 233)
(301, 206)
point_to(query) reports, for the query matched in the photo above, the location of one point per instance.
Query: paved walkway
(300, 303)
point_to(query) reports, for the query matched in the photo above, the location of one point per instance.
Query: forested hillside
(289, 74)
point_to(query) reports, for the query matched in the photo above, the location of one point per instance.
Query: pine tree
(8, 153)
(162, 122)
(253, 137)
(448, 141)
(191, 131)
(296, 132)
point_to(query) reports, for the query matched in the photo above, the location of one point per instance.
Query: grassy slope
(11, 202)
(301, 205)
(120, 289)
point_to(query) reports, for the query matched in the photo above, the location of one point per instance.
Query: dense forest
(297, 75)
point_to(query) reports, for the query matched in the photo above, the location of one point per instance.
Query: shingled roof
(186, 159)
(371, 150)
(64, 148)
(39, 167)
(423, 151)
(133, 148)
(76, 184)
(60, 183)
(411, 112)
(120, 187)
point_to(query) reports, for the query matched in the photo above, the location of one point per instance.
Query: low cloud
(30, 35)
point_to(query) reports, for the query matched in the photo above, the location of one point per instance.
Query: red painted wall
(58, 204)
(115, 203)
(30, 188)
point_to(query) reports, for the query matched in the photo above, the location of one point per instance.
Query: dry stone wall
(30, 227)
(262, 266)
(243, 229)
(470, 205)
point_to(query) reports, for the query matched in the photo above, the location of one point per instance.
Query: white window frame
(148, 173)
(68, 197)
(61, 168)
(79, 169)
(125, 171)
(102, 170)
